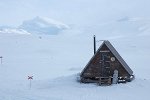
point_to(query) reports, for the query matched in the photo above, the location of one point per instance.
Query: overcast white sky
(13, 12)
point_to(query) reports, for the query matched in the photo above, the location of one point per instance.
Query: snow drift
(13, 31)
(37, 25)
(41, 25)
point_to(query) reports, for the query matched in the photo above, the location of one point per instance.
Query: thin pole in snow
(1, 59)
(30, 84)
(30, 78)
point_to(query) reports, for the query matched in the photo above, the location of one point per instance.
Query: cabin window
(112, 59)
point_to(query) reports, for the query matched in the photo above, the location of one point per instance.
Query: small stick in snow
(30, 78)
(1, 59)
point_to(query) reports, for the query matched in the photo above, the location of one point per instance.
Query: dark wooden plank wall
(94, 68)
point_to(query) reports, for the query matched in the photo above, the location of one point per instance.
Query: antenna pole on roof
(94, 44)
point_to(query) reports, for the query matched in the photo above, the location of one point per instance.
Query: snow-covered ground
(55, 52)
(55, 60)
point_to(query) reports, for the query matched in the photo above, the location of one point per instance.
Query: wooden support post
(99, 82)
(110, 80)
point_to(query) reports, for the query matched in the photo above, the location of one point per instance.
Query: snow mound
(41, 25)
(13, 31)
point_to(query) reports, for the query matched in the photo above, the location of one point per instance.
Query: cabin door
(105, 63)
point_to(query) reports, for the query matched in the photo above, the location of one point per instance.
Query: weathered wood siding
(94, 69)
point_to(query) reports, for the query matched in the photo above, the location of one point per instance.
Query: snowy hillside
(38, 25)
(54, 52)
(41, 25)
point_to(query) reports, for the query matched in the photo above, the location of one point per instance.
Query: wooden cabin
(106, 67)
